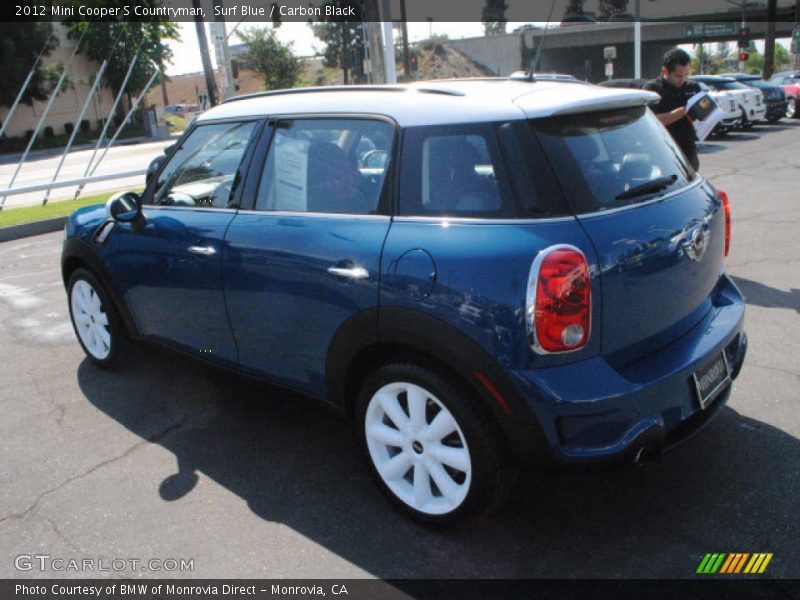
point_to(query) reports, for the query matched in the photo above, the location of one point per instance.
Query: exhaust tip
(646, 453)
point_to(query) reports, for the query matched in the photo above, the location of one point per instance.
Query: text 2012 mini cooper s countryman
(479, 273)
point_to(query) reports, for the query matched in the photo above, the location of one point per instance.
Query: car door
(170, 272)
(305, 257)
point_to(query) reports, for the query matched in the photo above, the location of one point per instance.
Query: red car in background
(790, 80)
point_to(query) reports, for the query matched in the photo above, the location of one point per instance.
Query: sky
(187, 53)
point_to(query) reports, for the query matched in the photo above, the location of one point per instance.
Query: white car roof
(437, 102)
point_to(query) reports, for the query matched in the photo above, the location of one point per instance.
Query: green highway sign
(706, 30)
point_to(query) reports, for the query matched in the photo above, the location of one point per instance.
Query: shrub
(69, 128)
(28, 134)
(85, 126)
(48, 132)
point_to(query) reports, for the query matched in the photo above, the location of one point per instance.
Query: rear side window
(605, 160)
(326, 166)
(453, 171)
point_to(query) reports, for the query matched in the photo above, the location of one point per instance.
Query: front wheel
(791, 108)
(95, 319)
(746, 123)
(431, 450)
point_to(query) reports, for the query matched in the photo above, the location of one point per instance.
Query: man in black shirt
(675, 91)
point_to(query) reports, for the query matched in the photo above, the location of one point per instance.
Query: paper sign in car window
(291, 169)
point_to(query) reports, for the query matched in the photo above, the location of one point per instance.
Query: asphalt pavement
(169, 459)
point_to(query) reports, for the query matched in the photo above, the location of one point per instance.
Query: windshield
(609, 159)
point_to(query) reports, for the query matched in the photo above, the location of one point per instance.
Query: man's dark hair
(676, 57)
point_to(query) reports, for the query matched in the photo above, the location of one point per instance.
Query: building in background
(69, 102)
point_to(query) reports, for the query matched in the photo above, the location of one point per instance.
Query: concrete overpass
(578, 48)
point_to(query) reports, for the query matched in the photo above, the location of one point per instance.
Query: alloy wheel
(91, 320)
(418, 448)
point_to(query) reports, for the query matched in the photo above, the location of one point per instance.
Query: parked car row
(790, 82)
(746, 99)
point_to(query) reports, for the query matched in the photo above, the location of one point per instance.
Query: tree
(574, 8)
(705, 62)
(494, 17)
(270, 58)
(609, 8)
(755, 61)
(20, 44)
(344, 40)
(723, 50)
(125, 39)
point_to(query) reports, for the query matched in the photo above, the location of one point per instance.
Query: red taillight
(560, 315)
(726, 206)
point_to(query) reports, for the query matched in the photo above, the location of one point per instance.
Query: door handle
(349, 273)
(203, 250)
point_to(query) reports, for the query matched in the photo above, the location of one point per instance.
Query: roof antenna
(535, 61)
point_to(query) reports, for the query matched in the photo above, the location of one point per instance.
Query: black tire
(746, 123)
(491, 475)
(118, 341)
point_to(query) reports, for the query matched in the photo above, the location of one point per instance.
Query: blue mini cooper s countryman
(478, 273)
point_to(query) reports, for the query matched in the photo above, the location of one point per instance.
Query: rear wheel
(431, 450)
(791, 108)
(97, 323)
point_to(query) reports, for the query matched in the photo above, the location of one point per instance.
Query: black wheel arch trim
(76, 249)
(401, 329)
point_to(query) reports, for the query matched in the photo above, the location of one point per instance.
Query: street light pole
(637, 41)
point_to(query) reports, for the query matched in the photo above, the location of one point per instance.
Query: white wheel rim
(91, 321)
(418, 448)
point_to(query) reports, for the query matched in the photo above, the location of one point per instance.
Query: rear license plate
(712, 379)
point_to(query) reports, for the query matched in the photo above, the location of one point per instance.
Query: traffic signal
(742, 56)
(413, 61)
(744, 37)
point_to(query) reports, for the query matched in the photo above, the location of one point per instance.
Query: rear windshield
(605, 160)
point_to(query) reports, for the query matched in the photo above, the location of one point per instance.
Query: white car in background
(727, 101)
(750, 101)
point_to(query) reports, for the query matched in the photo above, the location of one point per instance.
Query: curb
(16, 232)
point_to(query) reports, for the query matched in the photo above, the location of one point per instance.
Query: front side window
(202, 171)
(326, 166)
(609, 159)
(453, 171)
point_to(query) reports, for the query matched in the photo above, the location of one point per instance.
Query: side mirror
(124, 207)
(153, 167)
(168, 150)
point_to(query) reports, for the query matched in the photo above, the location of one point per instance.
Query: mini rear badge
(695, 246)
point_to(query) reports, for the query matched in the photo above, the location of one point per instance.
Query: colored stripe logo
(733, 563)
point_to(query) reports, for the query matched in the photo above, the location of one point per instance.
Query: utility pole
(769, 41)
(406, 57)
(637, 41)
(221, 42)
(211, 87)
(372, 28)
(744, 25)
(385, 9)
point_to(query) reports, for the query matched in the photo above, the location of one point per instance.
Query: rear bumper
(757, 113)
(776, 109)
(590, 411)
